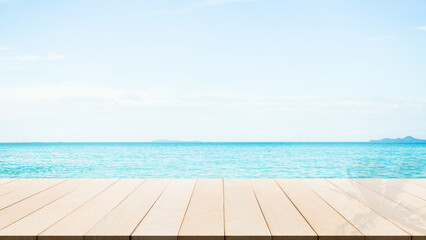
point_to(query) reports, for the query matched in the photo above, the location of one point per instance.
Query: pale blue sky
(212, 70)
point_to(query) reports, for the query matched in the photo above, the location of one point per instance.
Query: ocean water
(212, 160)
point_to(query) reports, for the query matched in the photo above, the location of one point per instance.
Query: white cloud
(96, 95)
(89, 109)
(381, 38)
(4, 48)
(422, 28)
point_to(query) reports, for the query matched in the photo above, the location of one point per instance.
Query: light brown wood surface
(10, 186)
(6, 180)
(282, 217)
(322, 217)
(81, 220)
(368, 222)
(408, 187)
(212, 209)
(410, 222)
(165, 217)
(243, 216)
(40, 220)
(20, 194)
(396, 194)
(204, 216)
(419, 182)
(27, 206)
(130, 211)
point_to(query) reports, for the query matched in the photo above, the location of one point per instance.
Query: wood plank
(31, 204)
(406, 186)
(419, 181)
(204, 216)
(35, 187)
(368, 222)
(243, 216)
(122, 220)
(32, 225)
(6, 180)
(397, 214)
(326, 222)
(15, 185)
(165, 217)
(413, 203)
(284, 220)
(80, 221)
(210, 209)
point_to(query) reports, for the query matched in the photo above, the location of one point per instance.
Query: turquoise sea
(212, 160)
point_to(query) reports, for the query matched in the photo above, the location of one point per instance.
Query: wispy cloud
(4, 48)
(31, 57)
(222, 101)
(381, 38)
(80, 107)
(422, 28)
(190, 8)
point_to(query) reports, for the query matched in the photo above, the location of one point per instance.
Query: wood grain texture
(130, 212)
(212, 209)
(80, 221)
(243, 216)
(165, 217)
(6, 180)
(406, 186)
(35, 187)
(409, 201)
(326, 221)
(10, 186)
(27, 206)
(368, 222)
(420, 182)
(410, 222)
(35, 223)
(204, 216)
(282, 217)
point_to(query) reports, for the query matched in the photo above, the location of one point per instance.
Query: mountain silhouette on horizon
(408, 139)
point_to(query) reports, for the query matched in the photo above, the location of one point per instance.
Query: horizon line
(189, 142)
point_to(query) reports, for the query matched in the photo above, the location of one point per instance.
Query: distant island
(407, 139)
(173, 141)
(166, 141)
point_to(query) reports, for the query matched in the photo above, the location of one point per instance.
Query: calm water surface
(212, 160)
